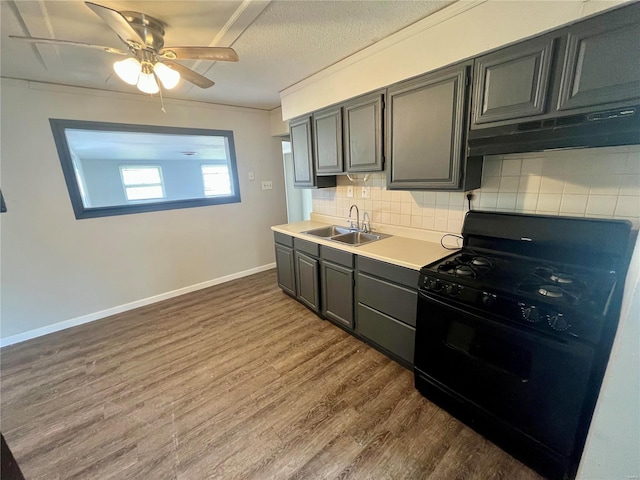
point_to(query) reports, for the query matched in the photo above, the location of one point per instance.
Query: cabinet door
(302, 151)
(426, 124)
(513, 82)
(307, 281)
(327, 131)
(285, 269)
(363, 133)
(337, 294)
(601, 61)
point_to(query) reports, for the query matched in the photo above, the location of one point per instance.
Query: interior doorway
(299, 203)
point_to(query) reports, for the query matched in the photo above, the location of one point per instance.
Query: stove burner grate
(466, 265)
(550, 291)
(568, 294)
(555, 277)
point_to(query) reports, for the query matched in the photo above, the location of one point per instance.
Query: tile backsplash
(597, 182)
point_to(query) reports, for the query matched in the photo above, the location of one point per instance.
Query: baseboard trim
(91, 317)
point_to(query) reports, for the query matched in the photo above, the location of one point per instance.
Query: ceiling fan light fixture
(167, 75)
(128, 70)
(147, 81)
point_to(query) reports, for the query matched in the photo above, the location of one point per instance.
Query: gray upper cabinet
(302, 151)
(426, 123)
(363, 133)
(512, 82)
(601, 63)
(327, 131)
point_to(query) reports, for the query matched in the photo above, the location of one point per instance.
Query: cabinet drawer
(337, 256)
(307, 247)
(394, 300)
(394, 336)
(394, 273)
(283, 239)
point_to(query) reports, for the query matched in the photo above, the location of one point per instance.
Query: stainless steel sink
(359, 238)
(327, 232)
(345, 235)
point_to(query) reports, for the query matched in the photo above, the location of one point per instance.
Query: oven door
(535, 383)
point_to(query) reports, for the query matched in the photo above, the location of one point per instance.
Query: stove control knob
(488, 299)
(437, 285)
(452, 289)
(530, 313)
(558, 322)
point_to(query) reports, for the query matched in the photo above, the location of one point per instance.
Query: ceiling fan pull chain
(161, 99)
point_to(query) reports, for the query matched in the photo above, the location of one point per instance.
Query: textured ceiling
(279, 42)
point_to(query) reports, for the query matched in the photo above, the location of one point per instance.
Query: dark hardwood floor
(235, 381)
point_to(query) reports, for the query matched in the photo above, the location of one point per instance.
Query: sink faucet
(357, 226)
(366, 223)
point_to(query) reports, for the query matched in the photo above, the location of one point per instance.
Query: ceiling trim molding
(142, 98)
(412, 30)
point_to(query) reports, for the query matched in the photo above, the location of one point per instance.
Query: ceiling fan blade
(117, 23)
(53, 41)
(189, 75)
(222, 54)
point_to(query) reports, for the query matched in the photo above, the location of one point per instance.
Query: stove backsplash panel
(595, 182)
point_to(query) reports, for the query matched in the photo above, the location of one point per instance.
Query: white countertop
(399, 250)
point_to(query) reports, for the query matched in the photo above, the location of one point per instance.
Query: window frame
(131, 166)
(204, 184)
(58, 127)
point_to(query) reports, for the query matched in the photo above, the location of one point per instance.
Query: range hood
(601, 128)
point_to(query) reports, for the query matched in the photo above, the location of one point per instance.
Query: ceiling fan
(148, 58)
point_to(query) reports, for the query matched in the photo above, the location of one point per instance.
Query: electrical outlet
(366, 192)
(350, 191)
(267, 185)
(252, 176)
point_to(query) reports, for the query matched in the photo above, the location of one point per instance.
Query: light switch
(350, 191)
(252, 176)
(267, 185)
(366, 192)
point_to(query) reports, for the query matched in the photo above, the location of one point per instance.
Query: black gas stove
(514, 330)
(550, 297)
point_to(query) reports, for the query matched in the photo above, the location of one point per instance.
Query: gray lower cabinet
(375, 300)
(337, 281)
(387, 332)
(285, 269)
(426, 124)
(307, 280)
(285, 264)
(337, 294)
(387, 302)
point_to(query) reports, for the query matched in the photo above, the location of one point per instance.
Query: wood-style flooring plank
(237, 381)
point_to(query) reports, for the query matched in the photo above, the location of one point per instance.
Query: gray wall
(56, 268)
